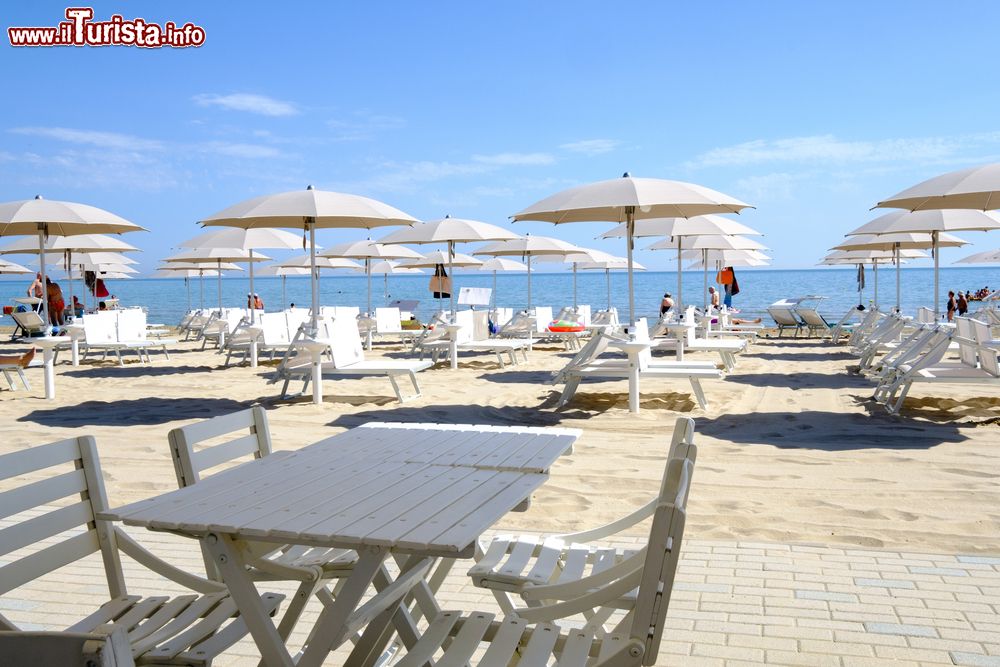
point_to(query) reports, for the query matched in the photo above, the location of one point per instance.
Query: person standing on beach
(36, 290)
(962, 304)
(713, 297)
(952, 305)
(56, 303)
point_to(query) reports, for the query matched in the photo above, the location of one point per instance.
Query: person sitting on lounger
(666, 304)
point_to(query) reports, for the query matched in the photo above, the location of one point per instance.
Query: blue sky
(810, 111)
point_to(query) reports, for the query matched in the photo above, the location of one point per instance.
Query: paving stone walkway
(735, 603)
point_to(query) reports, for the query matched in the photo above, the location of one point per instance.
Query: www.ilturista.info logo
(81, 30)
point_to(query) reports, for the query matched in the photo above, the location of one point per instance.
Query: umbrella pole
(201, 288)
(934, 249)
(187, 284)
(896, 252)
(630, 230)
(219, 283)
(494, 290)
(529, 283)
(385, 288)
(368, 325)
(678, 307)
(313, 279)
(607, 276)
(451, 272)
(574, 286)
(283, 301)
(875, 271)
(69, 268)
(41, 265)
(253, 302)
(704, 280)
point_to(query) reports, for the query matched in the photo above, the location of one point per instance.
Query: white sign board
(474, 296)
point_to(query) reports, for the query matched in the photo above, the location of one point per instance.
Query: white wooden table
(517, 448)
(316, 496)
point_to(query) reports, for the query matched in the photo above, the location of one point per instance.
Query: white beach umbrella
(976, 188)
(249, 240)
(216, 257)
(309, 210)
(12, 268)
(387, 267)
(584, 255)
(898, 241)
(626, 200)
(933, 222)
(699, 224)
(704, 243)
(188, 271)
(64, 247)
(452, 259)
(284, 272)
(496, 264)
(305, 261)
(451, 231)
(368, 250)
(44, 218)
(528, 246)
(873, 257)
(609, 265)
(985, 257)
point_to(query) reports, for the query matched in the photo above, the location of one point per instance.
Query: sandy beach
(790, 449)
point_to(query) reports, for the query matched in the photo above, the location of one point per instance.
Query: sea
(168, 299)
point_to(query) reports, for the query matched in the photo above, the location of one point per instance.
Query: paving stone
(974, 659)
(901, 629)
(885, 583)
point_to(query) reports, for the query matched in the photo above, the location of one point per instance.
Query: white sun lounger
(29, 323)
(473, 336)
(587, 365)
(16, 369)
(342, 336)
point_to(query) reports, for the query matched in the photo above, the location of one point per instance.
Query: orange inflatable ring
(564, 326)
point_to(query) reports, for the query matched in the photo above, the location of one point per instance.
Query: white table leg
(317, 380)
(231, 566)
(680, 349)
(368, 340)
(74, 346)
(48, 359)
(253, 353)
(633, 385)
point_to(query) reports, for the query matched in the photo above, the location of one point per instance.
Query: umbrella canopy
(75, 243)
(608, 265)
(199, 271)
(12, 268)
(369, 250)
(451, 231)
(305, 261)
(90, 258)
(432, 259)
(387, 267)
(309, 210)
(987, 257)
(115, 275)
(46, 218)
(707, 242)
(905, 240)
(528, 246)
(584, 255)
(700, 224)
(497, 264)
(973, 188)
(626, 200)
(933, 222)
(216, 256)
(726, 257)
(249, 240)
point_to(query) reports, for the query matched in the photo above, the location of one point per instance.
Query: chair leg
(699, 393)
(416, 387)
(568, 391)
(902, 397)
(10, 382)
(395, 387)
(296, 604)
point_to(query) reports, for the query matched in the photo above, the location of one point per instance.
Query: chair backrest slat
(388, 320)
(85, 486)
(189, 464)
(345, 342)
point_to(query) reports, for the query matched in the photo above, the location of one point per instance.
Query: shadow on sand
(802, 356)
(136, 370)
(140, 411)
(828, 431)
(802, 380)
